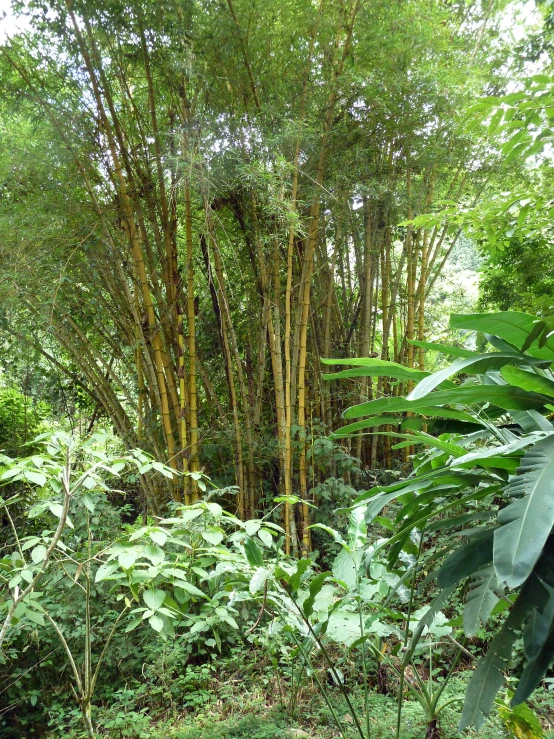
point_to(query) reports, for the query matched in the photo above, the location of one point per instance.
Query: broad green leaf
(479, 364)
(366, 424)
(535, 670)
(513, 326)
(156, 622)
(258, 580)
(38, 478)
(451, 351)
(38, 554)
(346, 567)
(133, 624)
(35, 616)
(357, 529)
(88, 501)
(105, 570)
(159, 467)
(266, 537)
(213, 536)
(128, 557)
(529, 381)
(190, 588)
(488, 678)
(481, 599)
(253, 553)
(504, 396)
(426, 621)
(154, 598)
(502, 450)
(526, 523)
(396, 420)
(154, 554)
(296, 577)
(427, 440)
(315, 588)
(158, 537)
(214, 508)
(251, 527)
(366, 367)
(467, 559)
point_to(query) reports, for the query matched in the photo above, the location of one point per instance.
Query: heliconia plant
(486, 476)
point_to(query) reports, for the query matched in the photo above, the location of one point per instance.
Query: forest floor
(238, 710)
(247, 716)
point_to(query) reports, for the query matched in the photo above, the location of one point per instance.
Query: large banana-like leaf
(504, 396)
(467, 559)
(538, 636)
(535, 671)
(369, 367)
(510, 325)
(488, 678)
(395, 420)
(529, 381)
(526, 523)
(504, 449)
(420, 483)
(481, 599)
(478, 364)
(450, 351)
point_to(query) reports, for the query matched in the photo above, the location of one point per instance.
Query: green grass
(251, 715)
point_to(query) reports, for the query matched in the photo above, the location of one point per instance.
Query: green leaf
(366, 424)
(213, 536)
(504, 396)
(526, 523)
(88, 501)
(128, 557)
(488, 678)
(133, 624)
(427, 620)
(38, 554)
(38, 478)
(253, 553)
(535, 670)
(158, 537)
(481, 599)
(35, 616)
(467, 559)
(105, 570)
(315, 588)
(534, 335)
(346, 567)
(529, 381)
(154, 554)
(251, 527)
(190, 588)
(479, 364)
(258, 580)
(357, 529)
(296, 577)
(451, 351)
(499, 451)
(166, 471)
(538, 627)
(512, 326)
(154, 598)
(156, 622)
(373, 368)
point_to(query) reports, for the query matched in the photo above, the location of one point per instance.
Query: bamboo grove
(240, 183)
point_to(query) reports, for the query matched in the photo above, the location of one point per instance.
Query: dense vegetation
(276, 397)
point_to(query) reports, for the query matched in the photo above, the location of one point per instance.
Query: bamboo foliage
(239, 214)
